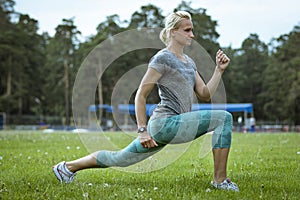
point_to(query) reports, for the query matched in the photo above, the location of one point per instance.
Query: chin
(189, 43)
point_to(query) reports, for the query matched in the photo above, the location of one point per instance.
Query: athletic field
(264, 165)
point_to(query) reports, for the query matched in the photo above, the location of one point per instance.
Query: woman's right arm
(149, 80)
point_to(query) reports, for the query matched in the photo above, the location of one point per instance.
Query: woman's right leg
(130, 155)
(86, 162)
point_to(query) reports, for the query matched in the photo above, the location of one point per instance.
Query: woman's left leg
(220, 164)
(188, 126)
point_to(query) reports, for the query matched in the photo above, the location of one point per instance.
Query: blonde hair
(172, 22)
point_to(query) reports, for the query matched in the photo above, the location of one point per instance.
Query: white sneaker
(62, 173)
(226, 185)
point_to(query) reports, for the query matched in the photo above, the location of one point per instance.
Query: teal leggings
(173, 130)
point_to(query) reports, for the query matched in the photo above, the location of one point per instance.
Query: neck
(176, 49)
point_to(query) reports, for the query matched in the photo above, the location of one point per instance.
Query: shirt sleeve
(158, 63)
(193, 64)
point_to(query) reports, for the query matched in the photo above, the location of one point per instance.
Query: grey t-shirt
(176, 85)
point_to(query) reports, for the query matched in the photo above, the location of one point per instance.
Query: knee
(228, 117)
(228, 123)
(224, 118)
(224, 140)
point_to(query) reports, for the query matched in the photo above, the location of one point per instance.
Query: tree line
(39, 70)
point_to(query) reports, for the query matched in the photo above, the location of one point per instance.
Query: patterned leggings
(173, 130)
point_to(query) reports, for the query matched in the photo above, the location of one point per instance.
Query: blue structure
(130, 108)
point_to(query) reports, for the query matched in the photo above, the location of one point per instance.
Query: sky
(236, 19)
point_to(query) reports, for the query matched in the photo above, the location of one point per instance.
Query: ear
(172, 34)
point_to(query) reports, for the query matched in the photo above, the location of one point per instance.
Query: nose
(192, 34)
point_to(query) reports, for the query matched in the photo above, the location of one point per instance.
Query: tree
(149, 16)
(61, 51)
(21, 57)
(282, 79)
(249, 67)
(31, 45)
(7, 50)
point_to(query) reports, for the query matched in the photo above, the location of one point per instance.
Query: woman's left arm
(206, 92)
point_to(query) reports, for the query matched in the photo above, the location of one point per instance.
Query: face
(184, 34)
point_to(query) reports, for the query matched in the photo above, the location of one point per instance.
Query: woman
(172, 122)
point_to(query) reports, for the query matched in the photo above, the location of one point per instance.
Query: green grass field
(265, 166)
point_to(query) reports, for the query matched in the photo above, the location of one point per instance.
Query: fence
(31, 122)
